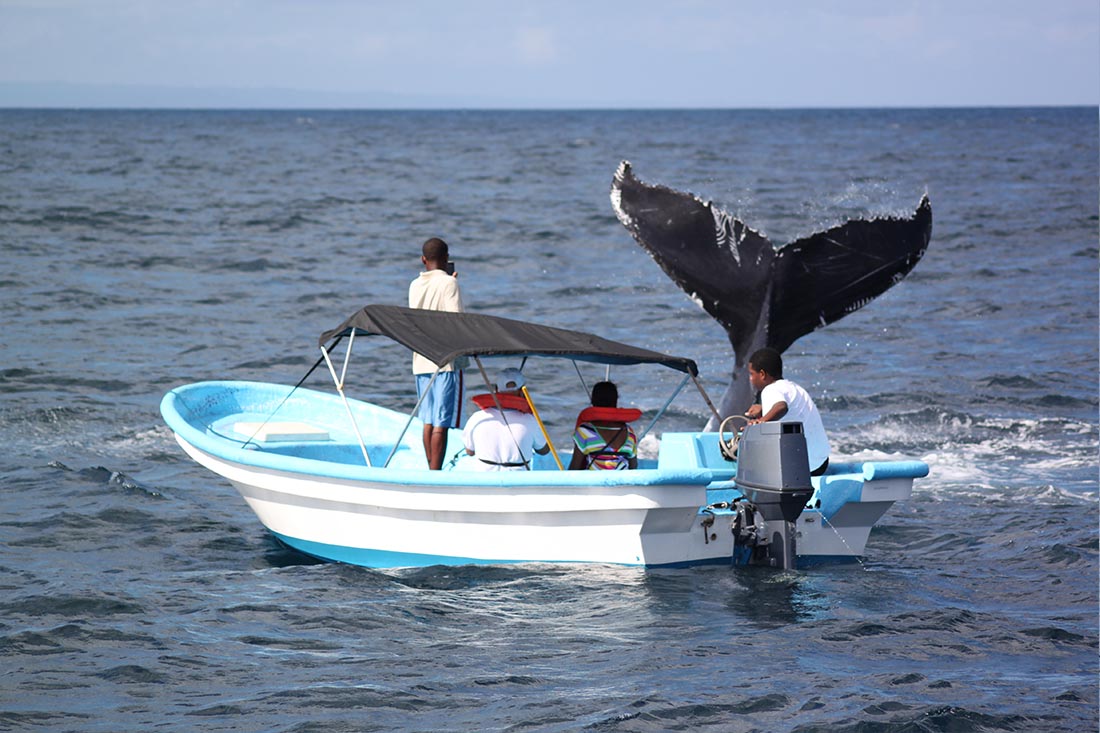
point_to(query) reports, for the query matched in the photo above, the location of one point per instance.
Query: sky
(549, 53)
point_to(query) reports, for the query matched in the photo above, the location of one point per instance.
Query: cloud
(536, 46)
(572, 52)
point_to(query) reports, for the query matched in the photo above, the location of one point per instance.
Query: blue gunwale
(200, 413)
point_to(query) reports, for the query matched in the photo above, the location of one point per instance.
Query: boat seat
(280, 431)
(695, 451)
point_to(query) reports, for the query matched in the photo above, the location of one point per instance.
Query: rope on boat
(283, 402)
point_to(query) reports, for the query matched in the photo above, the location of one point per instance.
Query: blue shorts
(442, 407)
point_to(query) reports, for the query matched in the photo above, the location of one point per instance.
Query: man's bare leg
(428, 444)
(435, 446)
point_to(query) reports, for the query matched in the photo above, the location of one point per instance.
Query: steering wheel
(729, 447)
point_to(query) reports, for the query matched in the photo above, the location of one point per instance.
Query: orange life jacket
(507, 401)
(608, 414)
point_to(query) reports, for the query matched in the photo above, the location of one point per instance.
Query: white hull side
(621, 525)
(631, 525)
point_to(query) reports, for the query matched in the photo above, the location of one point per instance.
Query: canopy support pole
(339, 382)
(416, 409)
(706, 398)
(581, 377)
(661, 412)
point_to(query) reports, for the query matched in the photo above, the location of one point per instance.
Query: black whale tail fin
(825, 276)
(763, 296)
(722, 264)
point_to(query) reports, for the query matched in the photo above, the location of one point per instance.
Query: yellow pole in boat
(553, 451)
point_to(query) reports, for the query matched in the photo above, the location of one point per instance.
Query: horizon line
(475, 108)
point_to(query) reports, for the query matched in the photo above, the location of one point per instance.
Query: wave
(66, 638)
(118, 479)
(73, 606)
(86, 219)
(1010, 381)
(259, 264)
(991, 453)
(281, 223)
(133, 674)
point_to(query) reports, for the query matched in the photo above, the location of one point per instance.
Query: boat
(346, 480)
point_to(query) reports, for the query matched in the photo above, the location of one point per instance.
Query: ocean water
(143, 250)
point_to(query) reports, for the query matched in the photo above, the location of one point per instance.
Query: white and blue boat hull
(313, 490)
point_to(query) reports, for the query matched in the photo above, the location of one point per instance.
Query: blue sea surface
(147, 249)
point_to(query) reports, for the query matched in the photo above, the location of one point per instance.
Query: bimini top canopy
(444, 337)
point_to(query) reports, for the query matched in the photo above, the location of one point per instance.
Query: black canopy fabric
(444, 337)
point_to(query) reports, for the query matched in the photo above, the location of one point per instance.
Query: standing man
(436, 289)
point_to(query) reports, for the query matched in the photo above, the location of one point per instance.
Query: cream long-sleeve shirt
(437, 291)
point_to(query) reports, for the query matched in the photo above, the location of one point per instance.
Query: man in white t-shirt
(504, 441)
(783, 400)
(436, 289)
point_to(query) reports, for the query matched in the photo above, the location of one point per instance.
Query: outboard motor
(773, 474)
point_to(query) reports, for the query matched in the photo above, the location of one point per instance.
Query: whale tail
(761, 295)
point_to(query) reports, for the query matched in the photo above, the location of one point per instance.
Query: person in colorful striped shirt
(603, 438)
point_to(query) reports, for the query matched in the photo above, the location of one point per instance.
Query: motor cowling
(773, 474)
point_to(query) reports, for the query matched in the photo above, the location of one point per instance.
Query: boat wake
(990, 454)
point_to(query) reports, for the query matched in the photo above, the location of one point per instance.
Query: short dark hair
(605, 394)
(767, 360)
(435, 250)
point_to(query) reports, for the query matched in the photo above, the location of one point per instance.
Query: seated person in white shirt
(784, 401)
(504, 440)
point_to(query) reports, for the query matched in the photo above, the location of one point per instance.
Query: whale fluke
(761, 295)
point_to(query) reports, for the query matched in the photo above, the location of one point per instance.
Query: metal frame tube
(416, 409)
(339, 382)
(706, 398)
(661, 412)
